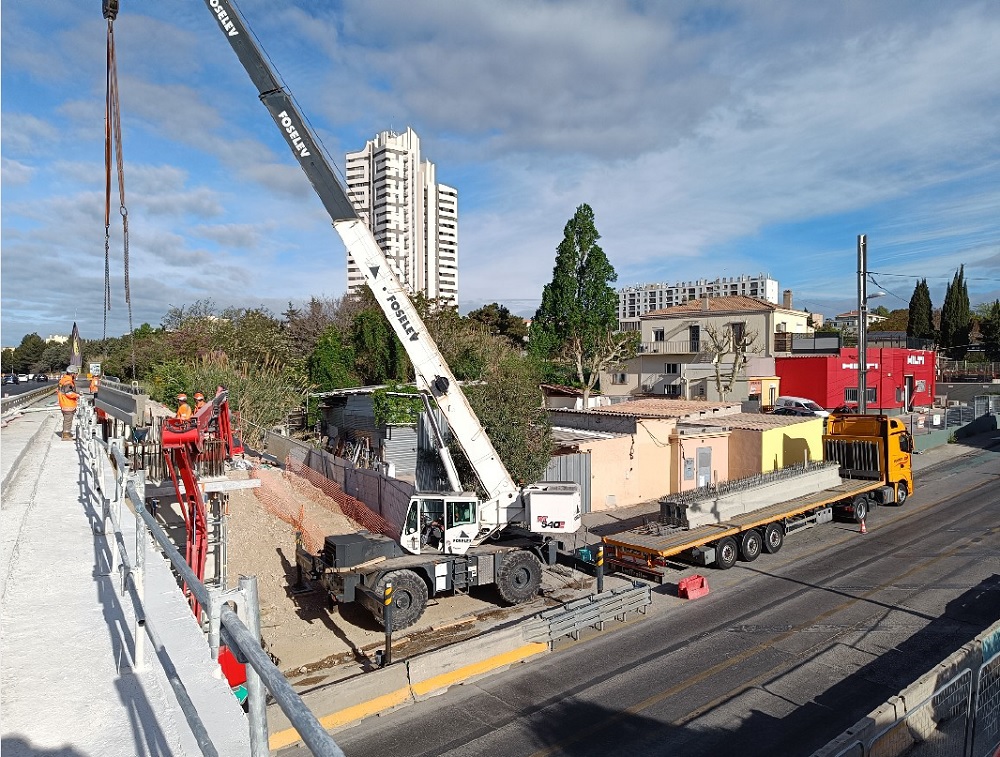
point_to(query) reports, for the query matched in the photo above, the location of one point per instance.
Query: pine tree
(577, 321)
(921, 321)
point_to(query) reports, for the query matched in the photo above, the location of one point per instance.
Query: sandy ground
(312, 644)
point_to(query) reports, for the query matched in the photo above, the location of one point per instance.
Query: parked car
(11, 378)
(800, 403)
(22, 377)
(41, 378)
(801, 411)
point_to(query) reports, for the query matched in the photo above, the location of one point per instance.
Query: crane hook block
(441, 384)
(111, 9)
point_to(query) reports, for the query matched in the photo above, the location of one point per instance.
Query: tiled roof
(757, 421)
(734, 304)
(667, 408)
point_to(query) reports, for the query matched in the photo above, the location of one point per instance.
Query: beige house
(688, 350)
(637, 454)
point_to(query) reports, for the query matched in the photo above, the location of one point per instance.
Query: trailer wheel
(860, 506)
(726, 553)
(409, 597)
(750, 545)
(902, 493)
(774, 538)
(519, 577)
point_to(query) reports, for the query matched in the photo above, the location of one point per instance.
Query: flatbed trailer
(647, 551)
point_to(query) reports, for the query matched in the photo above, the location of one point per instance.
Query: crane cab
(438, 523)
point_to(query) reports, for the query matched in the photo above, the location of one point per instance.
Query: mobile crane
(450, 541)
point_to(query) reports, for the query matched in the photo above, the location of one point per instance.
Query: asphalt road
(783, 655)
(13, 390)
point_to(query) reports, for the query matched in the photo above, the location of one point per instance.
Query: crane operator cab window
(438, 525)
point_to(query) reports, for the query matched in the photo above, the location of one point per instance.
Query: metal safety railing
(239, 630)
(590, 612)
(961, 718)
(8, 404)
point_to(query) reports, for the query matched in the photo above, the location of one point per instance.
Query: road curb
(413, 680)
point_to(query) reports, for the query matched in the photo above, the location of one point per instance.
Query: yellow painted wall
(789, 445)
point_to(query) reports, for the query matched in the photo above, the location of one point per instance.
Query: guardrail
(590, 612)
(8, 404)
(239, 630)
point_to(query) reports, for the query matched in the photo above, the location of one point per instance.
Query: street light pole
(862, 324)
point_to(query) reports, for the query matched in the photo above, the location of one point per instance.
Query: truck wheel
(774, 537)
(519, 577)
(409, 597)
(860, 506)
(726, 553)
(750, 545)
(902, 493)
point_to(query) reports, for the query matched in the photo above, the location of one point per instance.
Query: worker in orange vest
(199, 401)
(68, 398)
(183, 408)
(93, 384)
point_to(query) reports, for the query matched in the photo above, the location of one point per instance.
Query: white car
(800, 406)
(22, 377)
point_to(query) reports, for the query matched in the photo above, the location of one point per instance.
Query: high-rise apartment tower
(413, 218)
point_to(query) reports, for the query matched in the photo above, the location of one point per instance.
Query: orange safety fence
(283, 503)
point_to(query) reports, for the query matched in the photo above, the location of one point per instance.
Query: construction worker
(199, 401)
(93, 384)
(183, 408)
(68, 398)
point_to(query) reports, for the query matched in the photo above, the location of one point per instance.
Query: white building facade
(414, 219)
(636, 301)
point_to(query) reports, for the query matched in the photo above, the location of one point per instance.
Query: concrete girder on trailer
(662, 541)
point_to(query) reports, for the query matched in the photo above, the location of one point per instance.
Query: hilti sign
(854, 366)
(914, 359)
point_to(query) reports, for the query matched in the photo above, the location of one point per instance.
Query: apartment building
(636, 301)
(413, 217)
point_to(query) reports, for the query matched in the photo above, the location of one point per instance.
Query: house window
(672, 390)
(694, 335)
(658, 335)
(619, 378)
(739, 330)
(672, 368)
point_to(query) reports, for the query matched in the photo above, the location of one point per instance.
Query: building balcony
(679, 347)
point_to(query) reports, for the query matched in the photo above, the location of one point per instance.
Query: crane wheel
(774, 538)
(409, 597)
(520, 577)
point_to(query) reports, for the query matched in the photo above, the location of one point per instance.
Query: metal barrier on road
(590, 612)
(8, 404)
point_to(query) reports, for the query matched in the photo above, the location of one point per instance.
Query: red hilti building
(898, 379)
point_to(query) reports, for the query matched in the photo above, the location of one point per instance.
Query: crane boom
(431, 370)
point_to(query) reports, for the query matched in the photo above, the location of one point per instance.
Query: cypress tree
(921, 319)
(956, 317)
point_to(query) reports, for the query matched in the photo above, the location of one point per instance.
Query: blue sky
(711, 139)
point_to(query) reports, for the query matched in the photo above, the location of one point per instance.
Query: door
(908, 394)
(704, 456)
(460, 526)
(424, 526)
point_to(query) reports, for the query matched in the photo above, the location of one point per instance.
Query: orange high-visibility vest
(67, 396)
(184, 411)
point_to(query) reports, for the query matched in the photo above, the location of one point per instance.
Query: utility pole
(862, 324)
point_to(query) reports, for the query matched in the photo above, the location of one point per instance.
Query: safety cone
(864, 528)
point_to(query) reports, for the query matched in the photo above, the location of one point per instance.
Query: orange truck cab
(874, 447)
